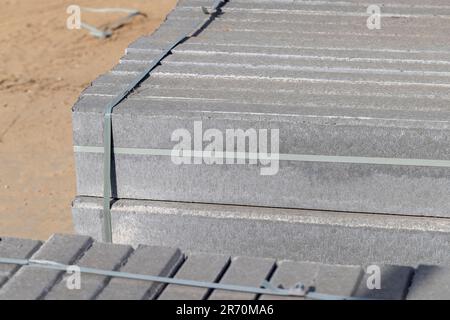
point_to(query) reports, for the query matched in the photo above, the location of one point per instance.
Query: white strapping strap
(265, 156)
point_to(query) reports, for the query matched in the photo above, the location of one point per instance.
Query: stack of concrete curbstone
(363, 121)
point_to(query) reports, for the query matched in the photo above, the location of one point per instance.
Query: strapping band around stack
(107, 120)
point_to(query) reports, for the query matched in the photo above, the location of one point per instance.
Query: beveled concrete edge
(347, 219)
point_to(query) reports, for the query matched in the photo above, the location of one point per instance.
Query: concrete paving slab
(397, 282)
(31, 283)
(99, 256)
(409, 57)
(246, 272)
(335, 280)
(313, 5)
(338, 280)
(14, 248)
(329, 40)
(292, 72)
(238, 21)
(294, 60)
(3, 280)
(164, 84)
(150, 260)
(394, 283)
(430, 283)
(198, 267)
(288, 274)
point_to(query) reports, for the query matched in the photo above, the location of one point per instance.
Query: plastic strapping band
(266, 288)
(107, 129)
(272, 156)
(108, 30)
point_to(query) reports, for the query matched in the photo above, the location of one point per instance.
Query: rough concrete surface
(302, 235)
(315, 72)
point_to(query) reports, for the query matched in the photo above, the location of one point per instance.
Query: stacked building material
(345, 281)
(356, 119)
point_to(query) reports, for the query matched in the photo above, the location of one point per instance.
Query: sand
(44, 67)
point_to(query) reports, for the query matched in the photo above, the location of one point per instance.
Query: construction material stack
(304, 130)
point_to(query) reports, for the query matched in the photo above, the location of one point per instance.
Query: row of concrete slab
(30, 282)
(363, 118)
(359, 101)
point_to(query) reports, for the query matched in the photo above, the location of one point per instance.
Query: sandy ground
(43, 68)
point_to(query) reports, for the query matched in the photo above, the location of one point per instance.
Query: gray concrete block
(329, 40)
(298, 61)
(14, 248)
(288, 274)
(244, 271)
(31, 283)
(155, 261)
(300, 55)
(198, 267)
(299, 235)
(430, 283)
(402, 189)
(264, 68)
(295, 7)
(394, 283)
(346, 187)
(306, 26)
(232, 22)
(336, 280)
(340, 91)
(99, 256)
(3, 280)
(317, 94)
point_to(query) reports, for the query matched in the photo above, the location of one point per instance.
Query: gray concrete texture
(301, 235)
(427, 277)
(396, 282)
(99, 256)
(336, 280)
(212, 268)
(312, 70)
(247, 272)
(31, 283)
(15, 249)
(157, 261)
(394, 286)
